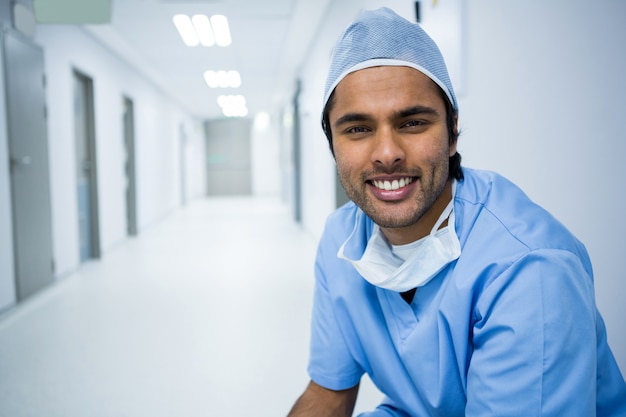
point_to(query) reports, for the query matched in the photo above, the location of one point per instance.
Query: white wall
(542, 104)
(157, 142)
(265, 150)
(195, 160)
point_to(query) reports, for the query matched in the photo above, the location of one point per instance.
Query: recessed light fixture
(201, 30)
(185, 30)
(233, 105)
(222, 79)
(221, 29)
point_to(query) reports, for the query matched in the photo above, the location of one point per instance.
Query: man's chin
(391, 217)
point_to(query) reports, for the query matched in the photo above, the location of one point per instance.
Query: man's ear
(456, 134)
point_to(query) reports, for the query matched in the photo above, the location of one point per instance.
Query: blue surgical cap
(382, 38)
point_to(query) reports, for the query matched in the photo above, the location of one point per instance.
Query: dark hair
(455, 170)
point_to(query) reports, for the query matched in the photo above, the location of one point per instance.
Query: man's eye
(357, 129)
(414, 123)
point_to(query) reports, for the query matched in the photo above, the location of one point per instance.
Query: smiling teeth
(392, 185)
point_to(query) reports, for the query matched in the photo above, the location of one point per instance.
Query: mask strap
(446, 211)
(340, 252)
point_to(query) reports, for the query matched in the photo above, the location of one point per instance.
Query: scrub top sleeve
(611, 398)
(383, 412)
(385, 409)
(330, 363)
(534, 341)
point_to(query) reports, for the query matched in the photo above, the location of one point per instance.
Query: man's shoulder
(494, 194)
(492, 203)
(342, 222)
(477, 186)
(343, 218)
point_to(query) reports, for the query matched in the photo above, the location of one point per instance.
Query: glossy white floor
(204, 314)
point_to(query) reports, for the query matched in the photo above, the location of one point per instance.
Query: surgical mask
(380, 267)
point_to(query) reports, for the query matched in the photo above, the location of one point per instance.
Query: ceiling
(270, 40)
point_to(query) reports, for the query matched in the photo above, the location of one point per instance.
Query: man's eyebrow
(351, 117)
(416, 110)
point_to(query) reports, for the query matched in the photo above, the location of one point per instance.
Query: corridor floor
(206, 313)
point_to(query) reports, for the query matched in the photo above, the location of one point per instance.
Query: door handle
(23, 161)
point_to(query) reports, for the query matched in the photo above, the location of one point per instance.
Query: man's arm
(535, 341)
(321, 402)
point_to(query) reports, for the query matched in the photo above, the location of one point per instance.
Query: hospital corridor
(205, 314)
(165, 181)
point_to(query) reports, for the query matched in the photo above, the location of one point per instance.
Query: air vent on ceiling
(72, 11)
(189, 1)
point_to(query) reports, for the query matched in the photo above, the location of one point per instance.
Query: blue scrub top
(509, 329)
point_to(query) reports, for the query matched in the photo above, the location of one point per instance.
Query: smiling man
(447, 285)
(392, 149)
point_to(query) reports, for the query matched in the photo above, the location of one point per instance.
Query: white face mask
(380, 267)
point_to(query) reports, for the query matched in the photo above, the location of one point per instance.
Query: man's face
(390, 142)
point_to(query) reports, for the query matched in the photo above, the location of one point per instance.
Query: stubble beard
(385, 214)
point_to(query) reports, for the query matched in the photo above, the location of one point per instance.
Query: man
(448, 286)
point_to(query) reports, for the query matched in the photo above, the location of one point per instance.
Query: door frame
(90, 131)
(297, 154)
(129, 146)
(32, 272)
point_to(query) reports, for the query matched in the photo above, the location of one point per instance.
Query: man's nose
(387, 148)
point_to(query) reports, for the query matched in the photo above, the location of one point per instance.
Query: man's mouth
(393, 184)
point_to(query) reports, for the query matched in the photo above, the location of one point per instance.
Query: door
(28, 150)
(86, 180)
(228, 157)
(297, 165)
(129, 146)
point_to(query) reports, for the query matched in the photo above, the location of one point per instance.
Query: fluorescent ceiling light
(199, 29)
(222, 79)
(185, 29)
(203, 29)
(211, 79)
(234, 78)
(233, 105)
(219, 23)
(231, 101)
